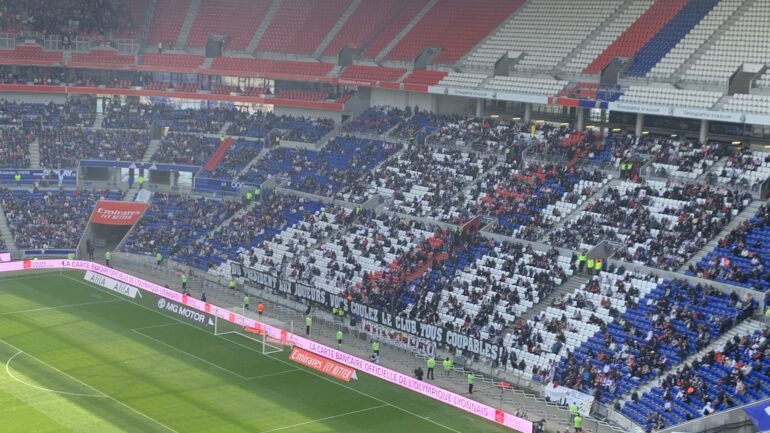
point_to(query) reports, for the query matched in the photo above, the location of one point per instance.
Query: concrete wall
(447, 104)
(35, 98)
(399, 99)
(308, 112)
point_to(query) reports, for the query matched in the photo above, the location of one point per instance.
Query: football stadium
(419, 216)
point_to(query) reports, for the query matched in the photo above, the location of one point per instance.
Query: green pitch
(78, 358)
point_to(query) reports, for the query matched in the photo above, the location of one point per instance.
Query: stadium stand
(102, 56)
(63, 147)
(377, 73)
(669, 36)
(299, 26)
(238, 20)
(406, 13)
(568, 25)
(14, 147)
(173, 223)
(456, 79)
(267, 237)
(469, 22)
(424, 77)
(342, 161)
(733, 374)
(656, 224)
(609, 33)
(639, 327)
(167, 21)
(671, 97)
(759, 104)
(638, 34)
(238, 156)
(740, 258)
(50, 219)
(369, 19)
(687, 46)
(260, 124)
(747, 169)
(743, 42)
(190, 149)
(172, 60)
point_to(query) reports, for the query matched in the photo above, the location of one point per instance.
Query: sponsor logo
(113, 285)
(181, 310)
(117, 213)
(319, 363)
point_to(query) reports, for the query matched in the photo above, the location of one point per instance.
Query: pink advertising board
(392, 376)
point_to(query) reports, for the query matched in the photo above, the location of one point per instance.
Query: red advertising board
(324, 365)
(117, 213)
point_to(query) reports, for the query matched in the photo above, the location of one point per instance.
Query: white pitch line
(325, 419)
(91, 387)
(10, 373)
(275, 359)
(59, 307)
(217, 366)
(162, 325)
(272, 374)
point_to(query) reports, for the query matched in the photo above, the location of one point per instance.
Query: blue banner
(28, 176)
(759, 414)
(140, 165)
(220, 185)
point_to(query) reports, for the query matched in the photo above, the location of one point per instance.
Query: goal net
(256, 336)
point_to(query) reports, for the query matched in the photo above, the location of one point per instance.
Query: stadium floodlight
(268, 345)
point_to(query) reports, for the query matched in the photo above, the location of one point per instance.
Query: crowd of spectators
(260, 124)
(63, 147)
(49, 219)
(190, 149)
(342, 162)
(746, 168)
(375, 120)
(741, 256)
(14, 147)
(93, 17)
(204, 121)
(277, 226)
(77, 111)
(732, 374)
(526, 199)
(421, 178)
(238, 156)
(655, 223)
(642, 326)
(173, 223)
(128, 116)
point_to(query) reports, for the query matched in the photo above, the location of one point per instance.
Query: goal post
(256, 336)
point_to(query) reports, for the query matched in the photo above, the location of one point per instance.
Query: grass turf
(78, 358)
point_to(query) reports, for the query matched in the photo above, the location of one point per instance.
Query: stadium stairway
(247, 167)
(693, 59)
(5, 234)
(34, 153)
(746, 214)
(591, 36)
(252, 46)
(181, 40)
(406, 30)
(334, 30)
(98, 120)
(742, 328)
(151, 149)
(575, 212)
(574, 282)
